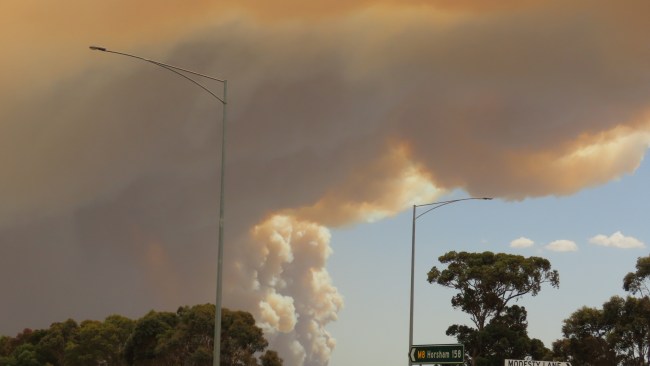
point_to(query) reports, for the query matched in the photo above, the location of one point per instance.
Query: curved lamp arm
(179, 71)
(444, 203)
(172, 68)
(415, 217)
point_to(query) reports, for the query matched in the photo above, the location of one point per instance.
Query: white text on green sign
(437, 353)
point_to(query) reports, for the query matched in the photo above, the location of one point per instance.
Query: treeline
(158, 338)
(618, 334)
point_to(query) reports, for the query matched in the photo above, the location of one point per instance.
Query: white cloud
(562, 246)
(617, 240)
(521, 242)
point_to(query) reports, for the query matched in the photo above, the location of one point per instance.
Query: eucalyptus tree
(629, 320)
(637, 282)
(616, 334)
(585, 340)
(182, 338)
(487, 283)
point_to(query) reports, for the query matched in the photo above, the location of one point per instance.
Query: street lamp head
(487, 198)
(97, 48)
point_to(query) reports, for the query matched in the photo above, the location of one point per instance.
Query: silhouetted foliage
(616, 334)
(158, 338)
(636, 282)
(585, 342)
(271, 358)
(486, 284)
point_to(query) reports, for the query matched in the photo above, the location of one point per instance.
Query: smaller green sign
(437, 353)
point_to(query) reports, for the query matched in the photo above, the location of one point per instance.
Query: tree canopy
(487, 283)
(637, 282)
(616, 334)
(158, 338)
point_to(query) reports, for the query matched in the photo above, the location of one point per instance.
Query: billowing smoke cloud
(283, 267)
(109, 167)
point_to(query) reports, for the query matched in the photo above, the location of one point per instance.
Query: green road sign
(437, 353)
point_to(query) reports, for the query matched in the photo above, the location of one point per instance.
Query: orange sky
(339, 112)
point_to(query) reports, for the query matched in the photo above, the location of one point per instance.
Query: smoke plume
(337, 114)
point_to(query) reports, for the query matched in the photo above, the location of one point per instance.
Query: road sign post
(443, 354)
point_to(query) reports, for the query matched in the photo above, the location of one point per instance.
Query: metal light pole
(415, 217)
(179, 71)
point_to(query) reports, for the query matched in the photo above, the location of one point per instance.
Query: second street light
(223, 99)
(431, 206)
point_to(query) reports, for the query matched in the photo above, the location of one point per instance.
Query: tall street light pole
(431, 206)
(183, 73)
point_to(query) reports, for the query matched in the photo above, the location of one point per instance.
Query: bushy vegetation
(618, 334)
(487, 284)
(158, 338)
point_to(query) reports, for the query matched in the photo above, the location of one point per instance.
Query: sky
(341, 115)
